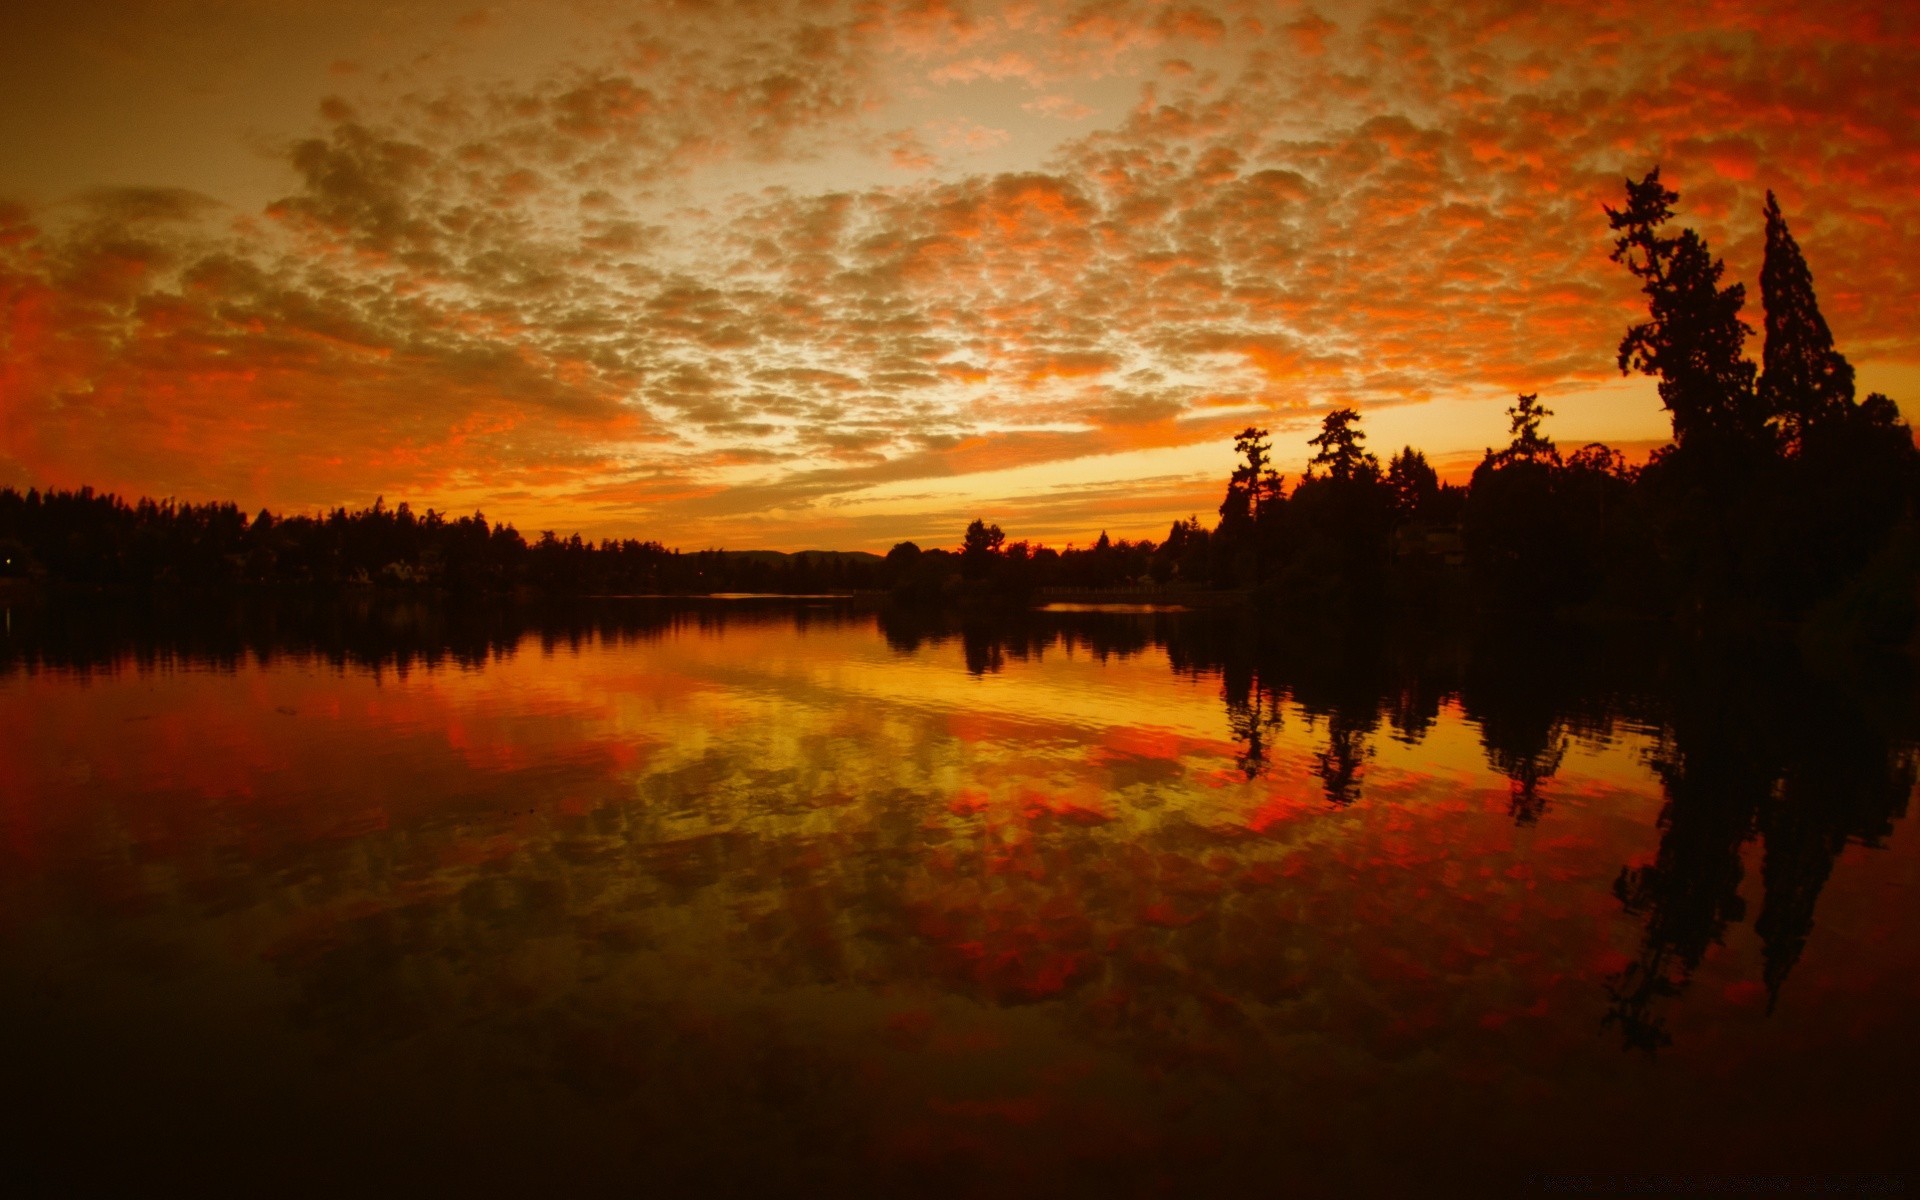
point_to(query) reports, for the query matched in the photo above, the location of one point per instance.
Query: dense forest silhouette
(1782, 496)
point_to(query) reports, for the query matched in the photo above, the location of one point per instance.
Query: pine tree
(1805, 384)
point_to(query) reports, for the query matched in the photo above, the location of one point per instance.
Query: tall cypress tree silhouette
(1805, 383)
(1694, 338)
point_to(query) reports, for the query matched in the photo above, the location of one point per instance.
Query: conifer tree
(1528, 444)
(1339, 447)
(1805, 384)
(1694, 339)
(1254, 484)
(1415, 483)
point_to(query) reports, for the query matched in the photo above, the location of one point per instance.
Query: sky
(835, 275)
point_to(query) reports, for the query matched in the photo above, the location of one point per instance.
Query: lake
(655, 898)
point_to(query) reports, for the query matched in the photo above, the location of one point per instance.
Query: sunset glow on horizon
(836, 275)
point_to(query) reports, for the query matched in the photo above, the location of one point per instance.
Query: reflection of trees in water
(1413, 705)
(1748, 746)
(1749, 749)
(1255, 713)
(1522, 706)
(365, 629)
(1715, 760)
(1842, 783)
(1526, 771)
(1339, 685)
(1253, 716)
(1338, 766)
(989, 641)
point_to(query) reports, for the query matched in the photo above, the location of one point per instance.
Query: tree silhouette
(1183, 555)
(1336, 539)
(92, 539)
(1805, 383)
(978, 548)
(1527, 543)
(1254, 481)
(1524, 424)
(1694, 339)
(1248, 513)
(1338, 445)
(1415, 484)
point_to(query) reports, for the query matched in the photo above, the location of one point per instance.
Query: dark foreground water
(735, 898)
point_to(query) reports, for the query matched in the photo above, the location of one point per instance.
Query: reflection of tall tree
(1252, 714)
(1525, 771)
(1523, 701)
(1414, 706)
(1716, 761)
(1748, 751)
(1340, 765)
(985, 653)
(1691, 891)
(1344, 680)
(1843, 784)
(1338, 682)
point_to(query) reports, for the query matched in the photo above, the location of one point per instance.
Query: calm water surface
(652, 900)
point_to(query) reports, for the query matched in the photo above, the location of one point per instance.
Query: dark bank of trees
(987, 568)
(1781, 493)
(96, 540)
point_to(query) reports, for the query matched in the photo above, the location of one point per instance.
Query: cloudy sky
(838, 274)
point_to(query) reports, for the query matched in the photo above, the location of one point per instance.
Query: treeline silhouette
(100, 540)
(1781, 496)
(1780, 492)
(93, 539)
